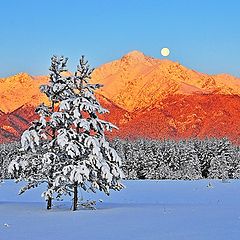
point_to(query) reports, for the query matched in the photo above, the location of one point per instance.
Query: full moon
(165, 52)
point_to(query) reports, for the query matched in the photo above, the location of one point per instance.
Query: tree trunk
(75, 197)
(49, 200)
(49, 203)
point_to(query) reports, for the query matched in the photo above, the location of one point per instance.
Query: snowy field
(167, 210)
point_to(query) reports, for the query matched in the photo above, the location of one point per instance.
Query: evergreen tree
(222, 164)
(90, 162)
(38, 158)
(66, 147)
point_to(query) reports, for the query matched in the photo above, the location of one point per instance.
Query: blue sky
(202, 34)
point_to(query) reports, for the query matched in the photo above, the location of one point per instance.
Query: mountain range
(147, 97)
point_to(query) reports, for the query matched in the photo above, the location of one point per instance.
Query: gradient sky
(202, 34)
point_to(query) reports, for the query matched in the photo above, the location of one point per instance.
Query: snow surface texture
(169, 210)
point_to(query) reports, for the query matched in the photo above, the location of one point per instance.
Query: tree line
(164, 159)
(185, 159)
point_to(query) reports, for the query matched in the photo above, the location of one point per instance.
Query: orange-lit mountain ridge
(137, 81)
(147, 97)
(19, 90)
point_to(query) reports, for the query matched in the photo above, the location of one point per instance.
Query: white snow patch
(152, 210)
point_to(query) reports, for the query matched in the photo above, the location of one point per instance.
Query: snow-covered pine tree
(222, 164)
(66, 147)
(39, 159)
(89, 161)
(8, 151)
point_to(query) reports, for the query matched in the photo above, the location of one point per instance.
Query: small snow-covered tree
(90, 162)
(8, 151)
(222, 163)
(66, 147)
(38, 159)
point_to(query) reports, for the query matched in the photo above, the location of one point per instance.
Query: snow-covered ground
(184, 210)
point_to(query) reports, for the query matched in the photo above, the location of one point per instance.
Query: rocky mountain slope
(137, 81)
(147, 97)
